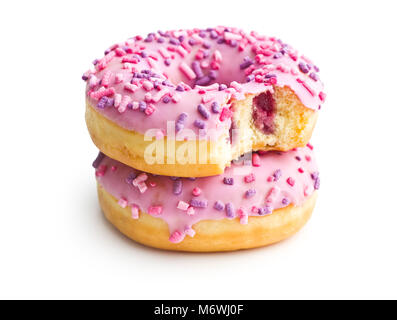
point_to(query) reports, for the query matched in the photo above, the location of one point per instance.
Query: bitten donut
(245, 207)
(188, 102)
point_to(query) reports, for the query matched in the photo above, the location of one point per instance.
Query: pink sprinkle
(150, 109)
(182, 205)
(190, 232)
(120, 52)
(148, 97)
(254, 209)
(236, 85)
(301, 170)
(243, 216)
(159, 94)
(93, 81)
(134, 211)
(196, 191)
(155, 210)
(215, 65)
(176, 237)
(306, 191)
(309, 146)
(176, 98)
(164, 53)
(217, 56)
(249, 178)
(106, 78)
(207, 97)
(256, 160)
(197, 38)
(232, 36)
(291, 181)
(123, 104)
(122, 202)
(101, 170)
(130, 87)
(117, 100)
(187, 71)
(141, 178)
(182, 52)
(270, 179)
(102, 93)
(147, 85)
(308, 158)
(322, 96)
(142, 187)
(152, 184)
(113, 168)
(190, 211)
(272, 195)
(119, 77)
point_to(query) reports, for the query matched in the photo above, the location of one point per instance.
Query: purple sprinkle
(314, 76)
(202, 34)
(181, 38)
(192, 179)
(160, 40)
(218, 205)
(204, 81)
(277, 55)
(230, 212)
(110, 102)
(167, 62)
(177, 187)
(249, 78)
(317, 183)
(215, 107)
(203, 111)
(102, 103)
(270, 75)
(246, 64)
(213, 74)
(233, 43)
(298, 158)
(285, 201)
(277, 174)
(317, 69)
(197, 69)
(142, 105)
(228, 181)
(303, 67)
(192, 42)
(174, 178)
(314, 175)
(250, 193)
(196, 203)
(166, 99)
(220, 41)
(84, 77)
(264, 210)
(199, 123)
(179, 88)
(149, 39)
(180, 122)
(98, 160)
(213, 34)
(143, 54)
(130, 178)
(222, 87)
(207, 45)
(174, 41)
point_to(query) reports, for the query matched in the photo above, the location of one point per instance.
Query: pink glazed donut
(188, 102)
(247, 206)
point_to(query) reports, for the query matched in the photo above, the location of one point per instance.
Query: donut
(187, 102)
(252, 204)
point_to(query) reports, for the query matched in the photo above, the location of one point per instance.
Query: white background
(54, 241)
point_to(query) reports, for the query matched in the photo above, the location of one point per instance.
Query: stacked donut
(204, 138)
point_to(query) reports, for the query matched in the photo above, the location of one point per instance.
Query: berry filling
(264, 110)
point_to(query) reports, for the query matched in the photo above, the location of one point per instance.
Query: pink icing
(278, 179)
(238, 63)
